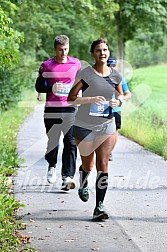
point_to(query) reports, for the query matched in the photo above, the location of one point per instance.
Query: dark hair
(61, 40)
(97, 42)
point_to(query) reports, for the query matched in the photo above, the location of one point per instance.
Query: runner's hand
(57, 87)
(98, 100)
(114, 103)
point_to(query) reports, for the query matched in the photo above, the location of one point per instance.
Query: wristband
(120, 102)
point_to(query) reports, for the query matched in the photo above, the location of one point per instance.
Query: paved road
(59, 221)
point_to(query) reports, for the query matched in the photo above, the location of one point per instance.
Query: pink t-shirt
(53, 72)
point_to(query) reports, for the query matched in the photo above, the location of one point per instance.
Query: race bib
(64, 91)
(99, 110)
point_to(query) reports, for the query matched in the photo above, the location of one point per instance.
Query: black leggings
(55, 123)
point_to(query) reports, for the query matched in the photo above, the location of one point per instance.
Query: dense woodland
(136, 31)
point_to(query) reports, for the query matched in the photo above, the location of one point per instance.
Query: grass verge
(144, 117)
(10, 121)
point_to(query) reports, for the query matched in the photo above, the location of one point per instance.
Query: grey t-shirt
(95, 85)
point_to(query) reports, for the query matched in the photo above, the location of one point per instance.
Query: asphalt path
(59, 221)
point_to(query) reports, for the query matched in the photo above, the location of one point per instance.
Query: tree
(136, 16)
(9, 39)
(140, 54)
(82, 20)
(123, 20)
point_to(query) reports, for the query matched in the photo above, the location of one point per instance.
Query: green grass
(10, 122)
(155, 77)
(147, 124)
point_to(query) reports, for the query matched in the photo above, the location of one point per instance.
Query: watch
(120, 102)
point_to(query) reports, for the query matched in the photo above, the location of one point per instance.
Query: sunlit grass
(147, 124)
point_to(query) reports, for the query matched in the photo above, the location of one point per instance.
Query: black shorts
(117, 116)
(107, 128)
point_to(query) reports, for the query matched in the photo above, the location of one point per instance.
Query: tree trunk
(120, 48)
(120, 42)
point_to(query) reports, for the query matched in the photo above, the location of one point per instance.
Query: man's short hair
(61, 40)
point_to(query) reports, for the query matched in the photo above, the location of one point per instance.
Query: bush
(10, 90)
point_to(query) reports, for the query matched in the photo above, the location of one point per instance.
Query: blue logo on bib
(99, 110)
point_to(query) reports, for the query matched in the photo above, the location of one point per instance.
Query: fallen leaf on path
(23, 238)
(71, 240)
(23, 225)
(102, 225)
(162, 185)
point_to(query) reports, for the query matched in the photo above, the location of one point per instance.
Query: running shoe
(83, 193)
(51, 175)
(99, 213)
(68, 183)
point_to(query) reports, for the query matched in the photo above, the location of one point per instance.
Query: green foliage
(9, 40)
(83, 21)
(8, 205)
(10, 90)
(80, 20)
(3, 188)
(134, 17)
(9, 124)
(8, 158)
(8, 224)
(140, 54)
(14, 80)
(148, 130)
